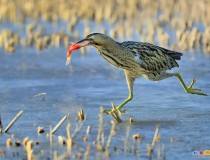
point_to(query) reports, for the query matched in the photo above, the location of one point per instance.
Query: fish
(72, 47)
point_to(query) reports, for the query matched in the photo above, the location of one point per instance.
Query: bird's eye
(94, 42)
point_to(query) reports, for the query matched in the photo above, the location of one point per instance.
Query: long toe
(198, 93)
(121, 111)
(107, 111)
(192, 83)
(195, 89)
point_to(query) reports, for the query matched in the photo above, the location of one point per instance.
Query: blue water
(90, 82)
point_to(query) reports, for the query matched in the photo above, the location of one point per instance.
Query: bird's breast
(112, 58)
(121, 59)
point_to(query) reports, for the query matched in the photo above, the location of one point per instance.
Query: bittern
(137, 59)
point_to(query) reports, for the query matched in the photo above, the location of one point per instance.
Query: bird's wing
(153, 58)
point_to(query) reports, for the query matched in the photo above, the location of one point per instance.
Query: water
(90, 82)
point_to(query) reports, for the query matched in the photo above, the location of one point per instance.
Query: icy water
(90, 82)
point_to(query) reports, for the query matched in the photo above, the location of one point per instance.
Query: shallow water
(90, 82)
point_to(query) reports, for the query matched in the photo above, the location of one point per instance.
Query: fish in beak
(75, 46)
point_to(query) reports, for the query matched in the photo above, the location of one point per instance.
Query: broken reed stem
(13, 121)
(69, 138)
(115, 114)
(150, 147)
(88, 130)
(149, 151)
(87, 152)
(29, 150)
(81, 115)
(161, 151)
(68, 128)
(78, 129)
(99, 129)
(50, 136)
(100, 136)
(43, 95)
(154, 138)
(59, 124)
(55, 155)
(126, 139)
(110, 136)
(68, 116)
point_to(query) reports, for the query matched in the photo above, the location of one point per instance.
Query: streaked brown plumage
(137, 59)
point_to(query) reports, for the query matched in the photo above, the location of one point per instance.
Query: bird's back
(152, 58)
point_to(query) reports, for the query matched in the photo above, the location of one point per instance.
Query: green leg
(130, 82)
(130, 97)
(189, 89)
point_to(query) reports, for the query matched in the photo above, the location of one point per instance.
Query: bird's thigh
(157, 76)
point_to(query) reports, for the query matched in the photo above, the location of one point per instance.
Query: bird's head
(94, 39)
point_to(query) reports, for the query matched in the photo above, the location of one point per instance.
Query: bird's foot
(108, 111)
(120, 110)
(192, 90)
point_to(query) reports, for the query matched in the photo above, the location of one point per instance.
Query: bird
(136, 59)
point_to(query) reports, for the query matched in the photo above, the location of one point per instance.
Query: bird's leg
(130, 97)
(190, 88)
(130, 82)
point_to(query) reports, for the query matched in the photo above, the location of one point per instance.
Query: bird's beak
(85, 42)
(76, 46)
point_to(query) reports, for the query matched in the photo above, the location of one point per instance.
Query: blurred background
(34, 37)
(184, 25)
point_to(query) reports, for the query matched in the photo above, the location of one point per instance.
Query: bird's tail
(175, 55)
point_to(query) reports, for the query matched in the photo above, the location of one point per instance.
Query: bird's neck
(109, 45)
(112, 52)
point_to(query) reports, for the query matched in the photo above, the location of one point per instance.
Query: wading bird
(137, 59)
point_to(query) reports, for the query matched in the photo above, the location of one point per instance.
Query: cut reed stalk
(13, 121)
(59, 124)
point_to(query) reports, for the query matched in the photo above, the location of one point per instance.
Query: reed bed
(146, 19)
(72, 144)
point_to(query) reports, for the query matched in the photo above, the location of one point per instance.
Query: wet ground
(90, 82)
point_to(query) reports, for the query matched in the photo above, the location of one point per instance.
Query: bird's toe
(107, 111)
(121, 111)
(197, 91)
